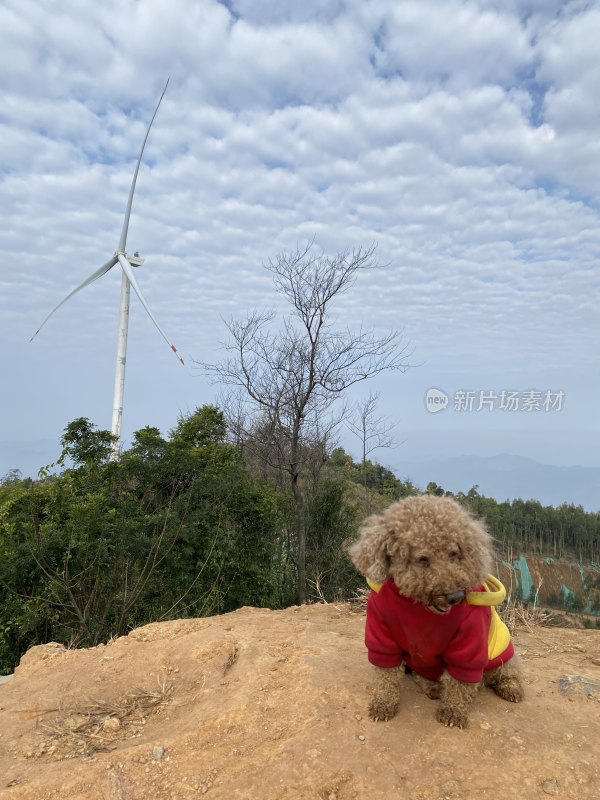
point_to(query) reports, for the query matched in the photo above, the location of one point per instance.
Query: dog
(431, 608)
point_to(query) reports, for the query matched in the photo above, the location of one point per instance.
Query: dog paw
(381, 709)
(452, 717)
(510, 690)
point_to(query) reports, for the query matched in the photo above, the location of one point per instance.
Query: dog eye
(424, 561)
(454, 555)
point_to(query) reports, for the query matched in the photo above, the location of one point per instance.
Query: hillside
(272, 704)
(556, 581)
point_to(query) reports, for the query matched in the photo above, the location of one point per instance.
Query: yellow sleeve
(493, 593)
(498, 637)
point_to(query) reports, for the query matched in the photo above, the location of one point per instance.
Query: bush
(174, 528)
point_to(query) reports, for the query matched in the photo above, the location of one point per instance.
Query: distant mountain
(506, 477)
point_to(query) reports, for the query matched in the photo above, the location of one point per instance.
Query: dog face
(434, 550)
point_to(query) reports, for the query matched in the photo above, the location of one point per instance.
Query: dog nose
(455, 597)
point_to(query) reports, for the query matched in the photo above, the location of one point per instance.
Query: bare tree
(292, 374)
(374, 432)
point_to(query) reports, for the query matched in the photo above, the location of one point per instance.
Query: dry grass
(358, 601)
(95, 726)
(232, 658)
(518, 615)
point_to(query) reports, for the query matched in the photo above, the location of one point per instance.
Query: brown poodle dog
(428, 561)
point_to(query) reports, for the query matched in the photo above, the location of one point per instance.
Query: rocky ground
(272, 704)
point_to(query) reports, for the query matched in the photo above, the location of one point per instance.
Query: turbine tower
(127, 281)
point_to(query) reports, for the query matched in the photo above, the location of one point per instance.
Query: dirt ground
(272, 704)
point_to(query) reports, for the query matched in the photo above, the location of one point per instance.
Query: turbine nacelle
(135, 260)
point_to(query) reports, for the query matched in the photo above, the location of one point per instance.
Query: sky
(461, 138)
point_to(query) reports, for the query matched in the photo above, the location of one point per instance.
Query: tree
(433, 488)
(11, 477)
(84, 444)
(373, 432)
(292, 376)
(173, 528)
(205, 426)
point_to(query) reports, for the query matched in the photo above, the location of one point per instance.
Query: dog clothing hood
(468, 641)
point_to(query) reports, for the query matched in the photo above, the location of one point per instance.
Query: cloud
(459, 137)
(466, 46)
(570, 69)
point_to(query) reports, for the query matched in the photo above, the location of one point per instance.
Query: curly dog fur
(435, 551)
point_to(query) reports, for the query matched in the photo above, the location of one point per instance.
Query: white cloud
(456, 43)
(461, 137)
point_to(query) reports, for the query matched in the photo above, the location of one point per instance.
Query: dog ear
(369, 553)
(477, 548)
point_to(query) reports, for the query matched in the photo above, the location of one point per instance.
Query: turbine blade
(123, 239)
(98, 274)
(127, 269)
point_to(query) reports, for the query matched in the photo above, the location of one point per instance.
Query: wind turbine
(127, 281)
